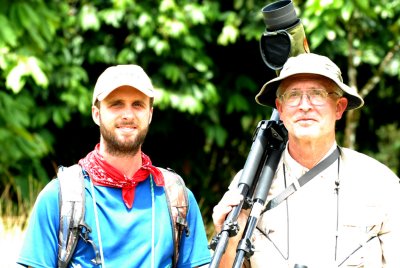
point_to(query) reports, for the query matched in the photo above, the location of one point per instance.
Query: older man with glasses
(348, 215)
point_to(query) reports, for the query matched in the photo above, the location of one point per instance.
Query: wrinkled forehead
(304, 81)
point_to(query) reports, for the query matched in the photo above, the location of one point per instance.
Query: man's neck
(126, 164)
(309, 153)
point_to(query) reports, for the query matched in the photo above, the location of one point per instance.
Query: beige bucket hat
(122, 75)
(309, 63)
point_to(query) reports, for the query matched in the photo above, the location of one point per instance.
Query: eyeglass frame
(324, 95)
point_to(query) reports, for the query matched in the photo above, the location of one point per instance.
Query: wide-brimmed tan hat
(122, 75)
(309, 63)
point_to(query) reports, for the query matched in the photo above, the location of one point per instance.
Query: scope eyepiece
(279, 15)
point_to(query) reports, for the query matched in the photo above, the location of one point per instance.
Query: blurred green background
(204, 60)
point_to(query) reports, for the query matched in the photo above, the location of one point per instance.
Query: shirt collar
(296, 169)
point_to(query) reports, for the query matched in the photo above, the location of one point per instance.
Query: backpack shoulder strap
(178, 206)
(72, 209)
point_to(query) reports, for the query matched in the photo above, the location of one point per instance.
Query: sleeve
(194, 247)
(390, 232)
(40, 245)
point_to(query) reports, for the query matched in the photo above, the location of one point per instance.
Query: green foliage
(362, 20)
(389, 146)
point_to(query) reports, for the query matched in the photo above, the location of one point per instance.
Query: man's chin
(124, 150)
(306, 133)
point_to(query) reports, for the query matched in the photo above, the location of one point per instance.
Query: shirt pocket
(358, 241)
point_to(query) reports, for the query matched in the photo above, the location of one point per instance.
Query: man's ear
(341, 106)
(151, 115)
(278, 105)
(96, 115)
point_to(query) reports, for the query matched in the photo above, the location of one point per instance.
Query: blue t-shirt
(125, 234)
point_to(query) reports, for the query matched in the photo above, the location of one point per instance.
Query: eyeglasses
(315, 96)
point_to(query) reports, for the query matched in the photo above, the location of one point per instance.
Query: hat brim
(267, 94)
(107, 91)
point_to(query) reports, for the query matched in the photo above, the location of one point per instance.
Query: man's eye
(294, 94)
(317, 93)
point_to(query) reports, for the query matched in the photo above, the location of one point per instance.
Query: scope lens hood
(275, 49)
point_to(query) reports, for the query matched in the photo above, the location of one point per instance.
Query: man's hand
(230, 199)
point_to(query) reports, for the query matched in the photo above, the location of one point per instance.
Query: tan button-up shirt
(356, 224)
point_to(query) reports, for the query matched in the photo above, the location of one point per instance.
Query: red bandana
(103, 174)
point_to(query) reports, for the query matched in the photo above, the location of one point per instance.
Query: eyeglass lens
(314, 96)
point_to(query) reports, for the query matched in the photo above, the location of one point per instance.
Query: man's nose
(305, 101)
(128, 112)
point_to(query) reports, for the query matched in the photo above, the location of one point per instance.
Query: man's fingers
(220, 211)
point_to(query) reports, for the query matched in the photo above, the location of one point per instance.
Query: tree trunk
(352, 119)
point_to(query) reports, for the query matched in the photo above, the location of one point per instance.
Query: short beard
(118, 148)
